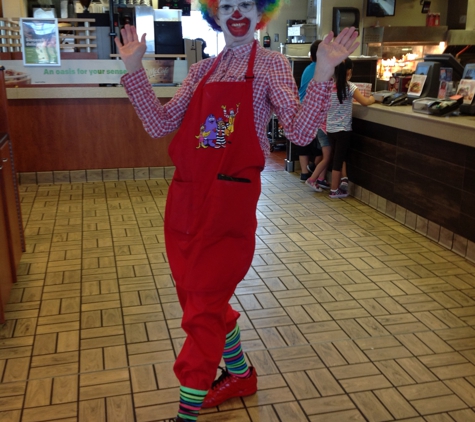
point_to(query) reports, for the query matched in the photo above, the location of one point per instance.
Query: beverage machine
(142, 17)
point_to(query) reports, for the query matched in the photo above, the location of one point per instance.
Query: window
(194, 26)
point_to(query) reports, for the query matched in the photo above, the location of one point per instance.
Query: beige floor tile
(324, 405)
(467, 415)
(370, 406)
(92, 410)
(438, 404)
(48, 413)
(463, 389)
(263, 413)
(347, 315)
(354, 371)
(11, 416)
(8, 405)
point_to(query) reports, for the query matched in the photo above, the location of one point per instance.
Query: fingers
(118, 43)
(353, 47)
(347, 36)
(129, 34)
(329, 38)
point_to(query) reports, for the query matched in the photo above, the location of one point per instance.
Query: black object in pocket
(232, 179)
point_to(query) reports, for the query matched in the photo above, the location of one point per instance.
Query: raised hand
(332, 51)
(131, 50)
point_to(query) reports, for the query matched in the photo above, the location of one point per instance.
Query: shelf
(80, 38)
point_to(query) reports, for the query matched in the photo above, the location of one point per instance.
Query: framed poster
(40, 42)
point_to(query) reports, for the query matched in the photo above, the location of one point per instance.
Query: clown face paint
(238, 26)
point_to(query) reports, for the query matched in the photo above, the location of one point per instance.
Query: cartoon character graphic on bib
(231, 117)
(221, 134)
(210, 127)
(215, 132)
(201, 137)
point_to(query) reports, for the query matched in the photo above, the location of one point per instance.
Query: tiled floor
(346, 314)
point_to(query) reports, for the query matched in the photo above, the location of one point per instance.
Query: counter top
(459, 129)
(80, 92)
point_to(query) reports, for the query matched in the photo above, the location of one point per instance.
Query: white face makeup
(238, 20)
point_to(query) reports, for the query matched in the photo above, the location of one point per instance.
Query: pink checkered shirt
(275, 91)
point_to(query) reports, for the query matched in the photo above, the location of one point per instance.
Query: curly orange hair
(268, 8)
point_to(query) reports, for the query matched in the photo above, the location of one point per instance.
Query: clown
(231, 116)
(210, 215)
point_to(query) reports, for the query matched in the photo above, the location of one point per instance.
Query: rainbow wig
(268, 8)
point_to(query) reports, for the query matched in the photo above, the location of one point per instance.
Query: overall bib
(210, 217)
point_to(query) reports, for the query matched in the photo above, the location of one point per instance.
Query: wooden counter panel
(77, 134)
(430, 177)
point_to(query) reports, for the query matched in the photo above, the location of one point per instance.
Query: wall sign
(40, 42)
(72, 72)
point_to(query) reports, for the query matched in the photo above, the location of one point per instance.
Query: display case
(400, 48)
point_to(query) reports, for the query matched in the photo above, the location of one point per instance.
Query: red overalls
(210, 218)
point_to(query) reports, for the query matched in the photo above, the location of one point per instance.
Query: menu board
(416, 85)
(40, 42)
(466, 89)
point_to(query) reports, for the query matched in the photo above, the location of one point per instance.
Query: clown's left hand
(332, 51)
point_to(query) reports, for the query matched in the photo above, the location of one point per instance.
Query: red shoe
(228, 386)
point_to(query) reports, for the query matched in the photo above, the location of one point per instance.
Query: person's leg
(304, 173)
(341, 143)
(315, 156)
(325, 145)
(344, 178)
(304, 153)
(316, 161)
(233, 354)
(237, 379)
(321, 168)
(207, 317)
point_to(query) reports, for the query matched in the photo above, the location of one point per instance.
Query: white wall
(470, 15)
(14, 8)
(295, 9)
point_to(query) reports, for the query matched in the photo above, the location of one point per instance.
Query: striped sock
(233, 355)
(190, 403)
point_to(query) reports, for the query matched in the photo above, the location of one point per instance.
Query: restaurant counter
(82, 128)
(416, 162)
(459, 129)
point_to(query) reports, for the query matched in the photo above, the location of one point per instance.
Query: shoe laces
(223, 377)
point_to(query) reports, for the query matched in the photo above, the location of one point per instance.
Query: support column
(470, 25)
(14, 8)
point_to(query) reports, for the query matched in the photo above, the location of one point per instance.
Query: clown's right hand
(131, 50)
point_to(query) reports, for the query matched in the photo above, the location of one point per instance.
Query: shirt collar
(240, 51)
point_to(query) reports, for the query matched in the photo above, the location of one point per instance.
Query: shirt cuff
(320, 87)
(134, 81)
